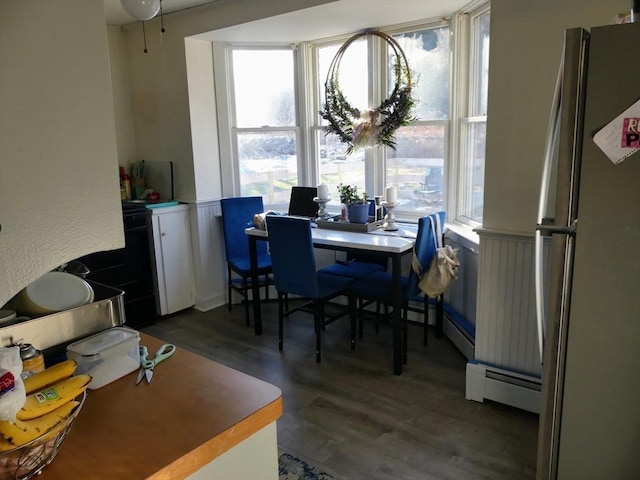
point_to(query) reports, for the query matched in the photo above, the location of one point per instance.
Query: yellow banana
(23, 431)
(5, 446)
(47, 400)
(53, 374)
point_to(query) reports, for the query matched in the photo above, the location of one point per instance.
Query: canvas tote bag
(443, 270)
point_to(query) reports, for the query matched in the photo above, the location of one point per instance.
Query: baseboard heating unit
(503, 386)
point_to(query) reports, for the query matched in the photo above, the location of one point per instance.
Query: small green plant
(349, 195)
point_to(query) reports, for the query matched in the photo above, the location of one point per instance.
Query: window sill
(464, 236)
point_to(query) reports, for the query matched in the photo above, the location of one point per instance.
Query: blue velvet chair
(378, 286)
(294, 272)
(237, 214)
(359, 266)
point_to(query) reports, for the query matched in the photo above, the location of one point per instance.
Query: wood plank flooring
(349, 416)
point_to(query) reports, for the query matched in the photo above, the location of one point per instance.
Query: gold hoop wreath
(373, 127)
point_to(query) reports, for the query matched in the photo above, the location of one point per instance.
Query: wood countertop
(193, 411)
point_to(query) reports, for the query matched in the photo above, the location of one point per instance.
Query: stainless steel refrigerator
(588, 266)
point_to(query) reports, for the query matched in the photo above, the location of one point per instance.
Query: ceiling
(324, 21)
(116, 15)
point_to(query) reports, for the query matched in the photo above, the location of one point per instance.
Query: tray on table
(334, 223)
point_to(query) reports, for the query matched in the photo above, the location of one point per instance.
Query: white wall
(122, 107)
(526, 45)
(159, 83)
(59, 190)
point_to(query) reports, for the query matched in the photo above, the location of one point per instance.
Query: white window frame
(308, 104)
(463, 108)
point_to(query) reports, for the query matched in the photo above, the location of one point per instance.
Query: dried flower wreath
(376, 126)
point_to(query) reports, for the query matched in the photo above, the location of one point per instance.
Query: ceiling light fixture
(141, 9)
(144, 10)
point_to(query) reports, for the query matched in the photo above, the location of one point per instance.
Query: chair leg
(318, 317)
(266, 288)
(439, 316)
(352, 318)
(245, 289)
(425, 319)
(360, 318)
(280, 322)
(229, 287)
(377, 316)
(405, 332)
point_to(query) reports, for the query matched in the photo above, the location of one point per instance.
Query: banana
(5, 446)
(23, 431)
(50, 376)
(47, 400)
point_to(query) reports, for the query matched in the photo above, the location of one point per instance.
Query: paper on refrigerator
(620, 138)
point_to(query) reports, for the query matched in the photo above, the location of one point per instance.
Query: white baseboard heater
(503, 386)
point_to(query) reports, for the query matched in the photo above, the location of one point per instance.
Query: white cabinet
(172, 258)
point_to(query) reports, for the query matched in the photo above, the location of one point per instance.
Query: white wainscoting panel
(506, 333)
(208, 255)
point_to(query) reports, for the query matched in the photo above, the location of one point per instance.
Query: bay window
(275, 94)
(265, 132)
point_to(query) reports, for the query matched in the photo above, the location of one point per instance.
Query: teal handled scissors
(146, 366)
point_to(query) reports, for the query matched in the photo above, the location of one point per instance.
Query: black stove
(129, 268)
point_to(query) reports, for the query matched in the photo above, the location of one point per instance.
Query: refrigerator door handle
(548, 230)
(553, 131)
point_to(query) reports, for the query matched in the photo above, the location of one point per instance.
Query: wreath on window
(373, 127)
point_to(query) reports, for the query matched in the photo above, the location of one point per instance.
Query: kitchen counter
(191, 418)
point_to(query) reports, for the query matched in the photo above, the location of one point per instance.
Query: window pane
(268, 165)
(472, 170)
(264, 88)
(427, 52)
(336, 167)
(416, 168)
(354, 82)
(482, 64)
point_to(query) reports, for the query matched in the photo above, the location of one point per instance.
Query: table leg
(439, 315)
(255, 286)
(397, 314)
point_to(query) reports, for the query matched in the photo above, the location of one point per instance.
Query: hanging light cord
(144, 35)
(161, 18)
(144, 30)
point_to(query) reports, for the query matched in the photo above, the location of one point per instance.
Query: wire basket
(30, 459)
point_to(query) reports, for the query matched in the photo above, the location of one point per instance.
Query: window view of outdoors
(335, 165)
(265, 122)
(473, 130)
(416, 166)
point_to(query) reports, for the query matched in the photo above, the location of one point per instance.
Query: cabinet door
(173, 261)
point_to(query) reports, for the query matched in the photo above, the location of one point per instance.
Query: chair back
(237, 214)
(301, 202)
(292, 255)
(428, 239)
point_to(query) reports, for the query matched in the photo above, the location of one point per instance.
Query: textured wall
(59, 192)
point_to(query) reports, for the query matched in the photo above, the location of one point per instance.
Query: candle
(323, 191)
(391, 194)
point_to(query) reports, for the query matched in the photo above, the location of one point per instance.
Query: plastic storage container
(107, 355)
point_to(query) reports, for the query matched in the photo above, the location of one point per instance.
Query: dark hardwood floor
(349, 416)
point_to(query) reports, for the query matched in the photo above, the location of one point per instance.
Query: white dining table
(386, 244)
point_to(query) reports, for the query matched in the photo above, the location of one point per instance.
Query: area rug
(292, 468)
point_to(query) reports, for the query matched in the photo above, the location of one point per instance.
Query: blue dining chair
(378, 286)
(359, 266)
(237, 214)
(294, 272)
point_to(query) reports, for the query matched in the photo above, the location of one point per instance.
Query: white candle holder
(390, 219)
(322, 207)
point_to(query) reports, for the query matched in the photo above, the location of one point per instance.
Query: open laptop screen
(301, 203)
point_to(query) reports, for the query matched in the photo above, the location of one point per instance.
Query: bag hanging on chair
(443, 270)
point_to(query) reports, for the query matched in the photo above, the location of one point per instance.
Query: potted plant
(357, 205)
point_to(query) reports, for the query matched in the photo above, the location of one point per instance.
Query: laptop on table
(301, 203)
